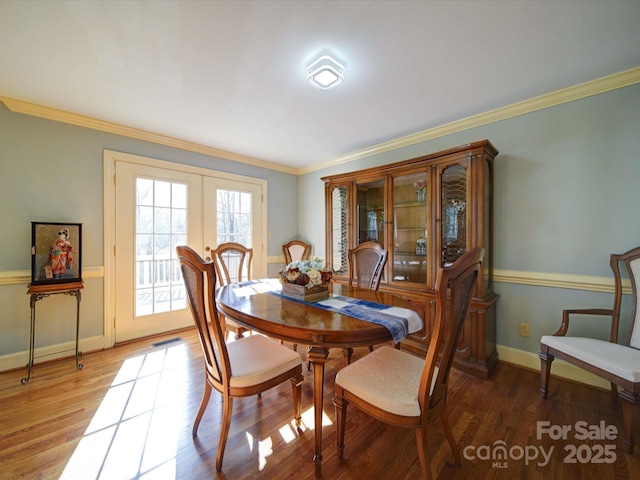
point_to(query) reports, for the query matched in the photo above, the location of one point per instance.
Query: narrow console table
(37, 293)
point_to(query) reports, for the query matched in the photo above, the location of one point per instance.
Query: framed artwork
(56, 253)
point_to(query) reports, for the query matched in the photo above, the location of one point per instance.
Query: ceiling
(231, 75)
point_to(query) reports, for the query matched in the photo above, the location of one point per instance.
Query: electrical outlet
(524, 330)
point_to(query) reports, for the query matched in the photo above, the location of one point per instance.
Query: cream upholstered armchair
(242, 368)
(399, 388)
(617, 363)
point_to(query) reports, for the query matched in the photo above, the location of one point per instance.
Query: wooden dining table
(258, 307)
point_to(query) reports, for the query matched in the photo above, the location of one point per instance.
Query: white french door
(157, 209)
(155, 212)
(234, 205)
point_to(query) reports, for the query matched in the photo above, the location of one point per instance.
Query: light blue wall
(52, 171)
(567, 191)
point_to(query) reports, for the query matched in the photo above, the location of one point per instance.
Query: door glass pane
(410, 228)
(234, 217)
(453, 213)
(160, 226)
(370, 215)
(234, 224)
(339, 234)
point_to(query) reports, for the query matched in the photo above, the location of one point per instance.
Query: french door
(157, 209)
(234, 205)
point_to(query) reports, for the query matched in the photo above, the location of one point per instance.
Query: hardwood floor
(128, 414)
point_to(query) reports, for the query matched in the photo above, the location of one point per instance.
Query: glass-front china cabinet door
(410, 228)
(453, 214)
(339, 231)
(370, 215)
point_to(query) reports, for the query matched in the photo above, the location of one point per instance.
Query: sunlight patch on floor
(134, 432)
(308, 419)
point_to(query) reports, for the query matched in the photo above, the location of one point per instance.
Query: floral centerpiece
(306, 279)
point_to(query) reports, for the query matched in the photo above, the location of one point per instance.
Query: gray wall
(566, 197)
(52, 171)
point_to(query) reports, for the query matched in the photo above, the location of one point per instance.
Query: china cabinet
(426, 212)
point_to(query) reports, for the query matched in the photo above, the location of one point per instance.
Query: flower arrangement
(309, 273)
(420, 184)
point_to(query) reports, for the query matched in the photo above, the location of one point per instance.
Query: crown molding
(566, 95)
(49, 113)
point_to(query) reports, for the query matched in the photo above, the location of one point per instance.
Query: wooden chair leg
(227, 409)
(423, 454)
(545, 372)
(347, 353)
(203, 406)
(341, 417)
(296, 386)
(629, 418)
(446, 426)
(614, 392)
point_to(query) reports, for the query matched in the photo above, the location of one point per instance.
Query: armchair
(619, 364)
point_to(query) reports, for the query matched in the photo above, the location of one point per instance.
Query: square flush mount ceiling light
(325, 73)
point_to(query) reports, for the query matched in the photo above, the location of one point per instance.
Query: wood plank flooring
(128, 415)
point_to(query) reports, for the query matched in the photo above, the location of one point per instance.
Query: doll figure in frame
(60, 254)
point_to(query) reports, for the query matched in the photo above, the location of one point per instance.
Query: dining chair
(366, 264)
(248, 366)
(296, 250)
(232, 262)
(616, 362)
(399, 388)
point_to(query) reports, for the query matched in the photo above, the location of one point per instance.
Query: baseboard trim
(18, 360)
(559, 368)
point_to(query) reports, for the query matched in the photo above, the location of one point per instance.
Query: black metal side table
(38, 292)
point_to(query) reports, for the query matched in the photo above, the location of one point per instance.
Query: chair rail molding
(538, 279)
(17, 277)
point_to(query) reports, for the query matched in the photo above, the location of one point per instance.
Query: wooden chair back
(232, 262)
(366, 264)
(454, 292)
(200, 280)
(631, 262)
(296, 250)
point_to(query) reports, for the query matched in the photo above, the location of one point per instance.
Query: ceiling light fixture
(325, 73)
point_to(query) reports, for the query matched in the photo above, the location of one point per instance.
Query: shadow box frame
(44, 238)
